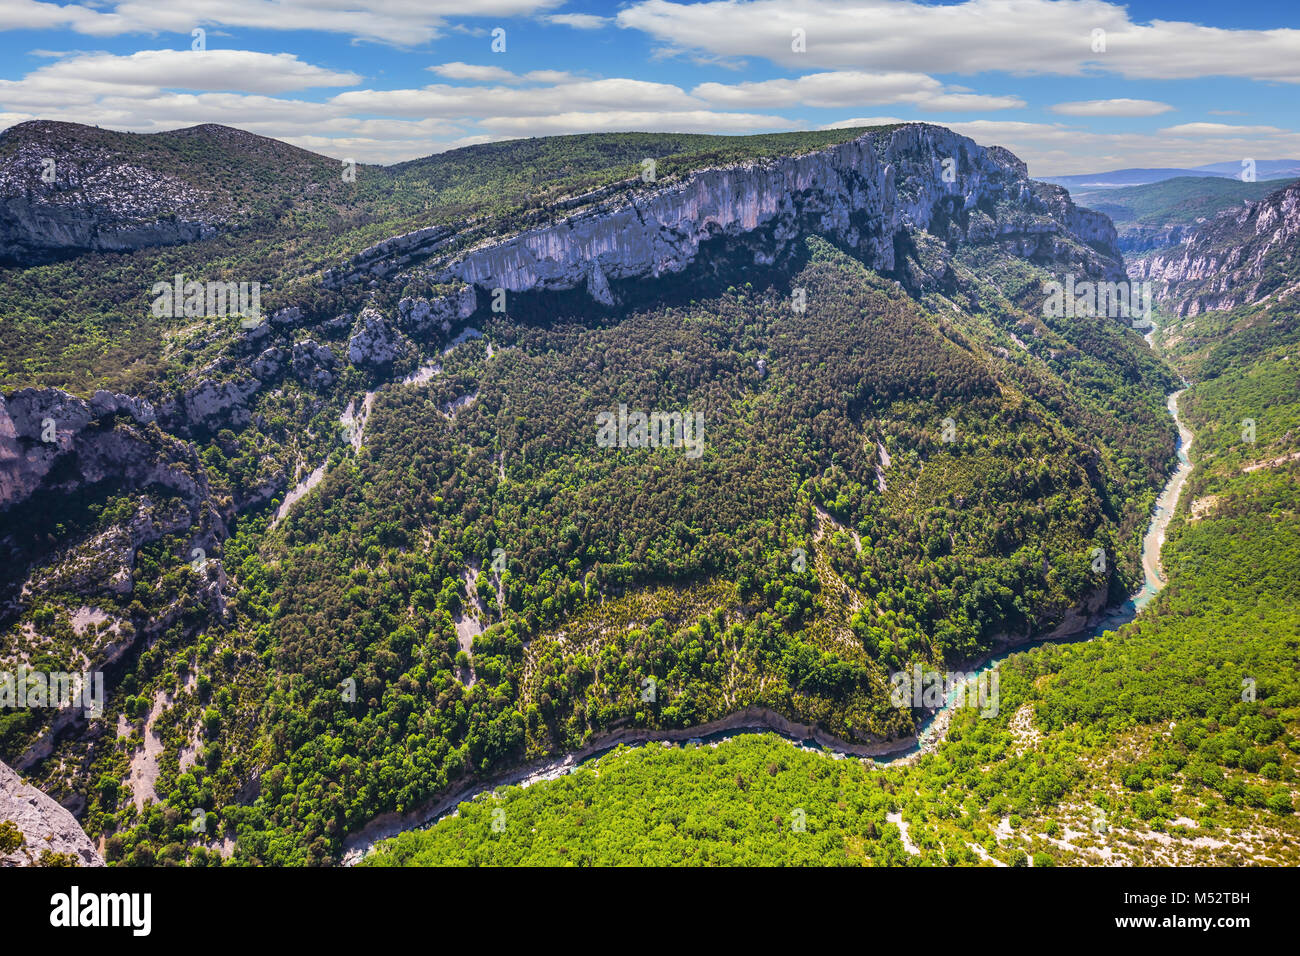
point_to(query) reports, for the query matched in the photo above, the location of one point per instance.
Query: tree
(11, 838)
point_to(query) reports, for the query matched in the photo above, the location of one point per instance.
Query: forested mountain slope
(1171, 741)
(1174, 741)
(337, 562)
(1240, 258)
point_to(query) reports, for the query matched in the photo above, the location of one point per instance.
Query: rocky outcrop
(863, 193)
(1146, 238)
(374, 342)
(418, 314)
(62, 193)
(1241, 257)
(211, 404)
(55, 444)
(40, 426)
(288, 317)
(44, 824)
(312, 364)
(1093, 228)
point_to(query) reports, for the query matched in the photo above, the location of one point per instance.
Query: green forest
(1175, 740)
(913, 469)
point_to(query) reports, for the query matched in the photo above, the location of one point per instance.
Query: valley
(930, 732)
(367, 565)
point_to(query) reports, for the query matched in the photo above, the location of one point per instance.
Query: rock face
(1145, 238)
(864, 193)
(60, 194)
(39, 426)
(420, 314)
(375, 343)
(110, 439)
(214, 404)
(44, 824)
(312, 364)
(1243, 256)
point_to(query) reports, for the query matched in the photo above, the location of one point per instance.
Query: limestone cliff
(1243, 256)
(864, 193)
(53, 444)
(44, 824)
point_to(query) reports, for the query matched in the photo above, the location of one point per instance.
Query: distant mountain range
(1264, 169)
(1161, 214)
(1233, 260)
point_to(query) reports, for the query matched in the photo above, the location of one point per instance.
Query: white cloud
(1021, 37)
(849, 88)
(865, 121)
(152, 70)
(969, 102)
(399, 22)
(580, 21)
(34, 15)
(475, 73)
(905, 42)
(689, 121)
(575, 96)
(158, 90)
(1116, 107)
(1217, 129)
(821, 90)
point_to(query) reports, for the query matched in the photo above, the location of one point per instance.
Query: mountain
(864, 193)
(112, 191)
(1242, 257)
(1164, 213)
(66, 189)
(1170, 741)
(1264, 169)
(336, 564)
(1116, 178)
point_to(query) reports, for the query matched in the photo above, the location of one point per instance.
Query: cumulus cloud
(157, 90)
(151, 70)
(1217, 129)
(865, 121)
(848, 88)
(645, 121)
(575, 96)
(905, 42)
(400, 22)
(580, 21)
(1023, 37)
(475, 73)
(1116, 107)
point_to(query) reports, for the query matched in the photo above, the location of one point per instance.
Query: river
(929, 734)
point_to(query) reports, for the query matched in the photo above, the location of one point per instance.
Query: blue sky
(1069, 85)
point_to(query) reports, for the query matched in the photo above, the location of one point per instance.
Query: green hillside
(1180, 201)
(621, 566)
(84, 323)
(1173, 741)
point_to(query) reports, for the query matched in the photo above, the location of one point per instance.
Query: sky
(1071, 86)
